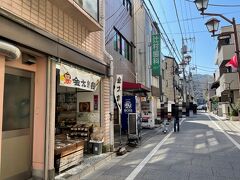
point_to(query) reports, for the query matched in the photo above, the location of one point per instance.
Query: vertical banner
(118, 91)
(129, 106)
(156, 54)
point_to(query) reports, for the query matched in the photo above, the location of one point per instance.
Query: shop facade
(23, 111)
(47, 33)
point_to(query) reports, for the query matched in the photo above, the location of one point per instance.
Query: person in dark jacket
(175, 110)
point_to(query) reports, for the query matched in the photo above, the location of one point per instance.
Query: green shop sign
(156, 54)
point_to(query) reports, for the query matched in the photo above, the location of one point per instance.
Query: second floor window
(122, 46)
(91, 7)
(128, 5)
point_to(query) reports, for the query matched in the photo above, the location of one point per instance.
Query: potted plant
(234, 115)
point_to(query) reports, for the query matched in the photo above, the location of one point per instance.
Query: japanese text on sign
(156, 54)
(76, 78)
(118, 91)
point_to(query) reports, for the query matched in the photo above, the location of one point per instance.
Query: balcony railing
(86, 11)
(91, 7)
(229, 81)
(224, 53)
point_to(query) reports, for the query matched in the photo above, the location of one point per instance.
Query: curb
(91, 168)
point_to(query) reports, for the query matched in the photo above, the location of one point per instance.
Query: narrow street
(200, 151)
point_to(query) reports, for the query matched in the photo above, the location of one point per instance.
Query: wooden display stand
(67, 153)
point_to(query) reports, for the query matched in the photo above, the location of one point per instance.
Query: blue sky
(204, 48)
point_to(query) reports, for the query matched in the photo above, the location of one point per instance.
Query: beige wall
(2, 72)
(53, 19)
(106, 109)
(39, 114)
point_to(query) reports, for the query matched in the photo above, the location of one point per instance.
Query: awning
(215, 84)
(135, 87)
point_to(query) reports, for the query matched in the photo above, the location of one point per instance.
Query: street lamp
(187, 58)
(201, 5)
(212, 25)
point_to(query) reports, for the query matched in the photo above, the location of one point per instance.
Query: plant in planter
(235, 111)
(234, 115)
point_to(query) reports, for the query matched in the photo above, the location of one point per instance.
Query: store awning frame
(135, 87)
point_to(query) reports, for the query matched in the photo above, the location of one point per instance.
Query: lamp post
(182, 66)
(187, 59)
(213, 24)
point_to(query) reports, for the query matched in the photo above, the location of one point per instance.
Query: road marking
(136, 171)
(226, 134)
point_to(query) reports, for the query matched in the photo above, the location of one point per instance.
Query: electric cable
(114, 13)
(220, 5)
(195, 18)
(162, 37)
(184, 28)
(179, 25)
(179, 59)
(122, 26)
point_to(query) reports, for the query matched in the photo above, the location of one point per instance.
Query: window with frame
(117, 43)
(91, 7)
(122, 46)
(128, 5)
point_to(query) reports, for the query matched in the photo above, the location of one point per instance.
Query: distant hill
(200, 82)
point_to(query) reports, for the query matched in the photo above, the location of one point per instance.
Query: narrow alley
(205, 148)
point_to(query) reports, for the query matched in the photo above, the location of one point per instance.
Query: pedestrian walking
(175, 111)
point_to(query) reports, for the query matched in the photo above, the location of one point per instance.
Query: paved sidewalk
(93, 162)
(200, 151)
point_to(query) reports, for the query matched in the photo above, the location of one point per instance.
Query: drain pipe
(10, 51)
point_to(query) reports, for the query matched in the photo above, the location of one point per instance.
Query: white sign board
(118, 91)
(76, 78)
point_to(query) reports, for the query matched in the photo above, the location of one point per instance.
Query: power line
(193, 32)
(203, 66)
(179, 59)
(205, 70)
(123, 25)
(177, 48)
(182, 17)
(114, 13)
(119, 18)
(187, 16)
(196, 32)
(221, 5)
(164, 13)
(175, 6)
(194, 18)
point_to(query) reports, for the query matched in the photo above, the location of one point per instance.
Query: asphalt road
(204, 149)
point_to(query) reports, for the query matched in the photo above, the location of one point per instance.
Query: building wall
(55, 19)
(52, 18)
(117, 16)
(39, 70)
(140, 39)
(106, 110)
